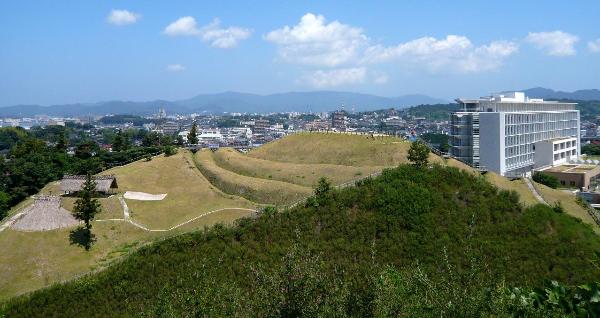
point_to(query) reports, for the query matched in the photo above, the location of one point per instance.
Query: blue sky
(86, 51)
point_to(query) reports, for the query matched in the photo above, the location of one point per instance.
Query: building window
(572, 183)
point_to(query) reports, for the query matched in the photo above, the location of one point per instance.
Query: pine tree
(418, 154)
(86, 208)
(192, 137)
(119, 142)
(62, 142)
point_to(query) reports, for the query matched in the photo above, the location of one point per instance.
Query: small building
(104, 184)
(580, 176)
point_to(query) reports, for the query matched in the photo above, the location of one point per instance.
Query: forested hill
(432, 112)
(412, 242)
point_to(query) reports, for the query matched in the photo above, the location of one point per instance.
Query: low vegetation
(412, 242)
(301, 174)
(254, 189)
(188, 193)
(546, 179)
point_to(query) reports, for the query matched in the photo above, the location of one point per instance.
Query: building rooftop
(571, 168)
(512, 97)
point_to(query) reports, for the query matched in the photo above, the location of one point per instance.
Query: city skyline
(57, 53)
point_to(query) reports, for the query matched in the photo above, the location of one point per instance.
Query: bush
(546, 179)
(170, 150)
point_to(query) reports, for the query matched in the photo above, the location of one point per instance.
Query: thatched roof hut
(44, 214)
(104, 184)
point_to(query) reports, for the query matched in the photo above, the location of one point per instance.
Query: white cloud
(122, 17)
(212, 33)
(454, 52)
(594, 46)
(175, 68)
(555, 43)
(223, 38)
(314, 42)
(336, 77)
(184, 26)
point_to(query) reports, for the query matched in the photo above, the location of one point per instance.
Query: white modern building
(511, 134)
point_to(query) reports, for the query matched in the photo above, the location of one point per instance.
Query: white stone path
(127, 217)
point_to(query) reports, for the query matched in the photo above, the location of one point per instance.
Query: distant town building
(170, 128)
(161, 113)
(317, 125)
(338, 120)
(512, 134)
(260, 126)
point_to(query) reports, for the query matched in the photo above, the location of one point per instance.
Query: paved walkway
(536, 194)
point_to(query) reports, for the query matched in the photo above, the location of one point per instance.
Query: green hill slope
(330, 257)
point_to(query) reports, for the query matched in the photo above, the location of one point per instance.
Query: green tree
(179, 140)
(151, 139)
(63, 141)
(545, 179)
(192, 137)
(86, 208)
(120, 142)
(86, 149)
(4, 204)
(418, 154)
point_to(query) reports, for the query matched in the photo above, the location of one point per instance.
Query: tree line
(32, 159)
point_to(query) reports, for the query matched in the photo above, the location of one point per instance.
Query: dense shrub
(546, 179)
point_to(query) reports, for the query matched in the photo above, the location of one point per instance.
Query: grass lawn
(255, 189)
(32, 260)
(188, 193)
(111, 208)
(568, 202)
(302, 174)
(337, 149)
(519, 185)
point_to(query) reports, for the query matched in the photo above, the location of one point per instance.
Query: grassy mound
(188, 192)
(327, 257)
(32, 260)
(302, 174)
(254, 189)
(337, 149)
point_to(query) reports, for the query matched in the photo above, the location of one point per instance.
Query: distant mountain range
(546, 93)
(229, 102)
